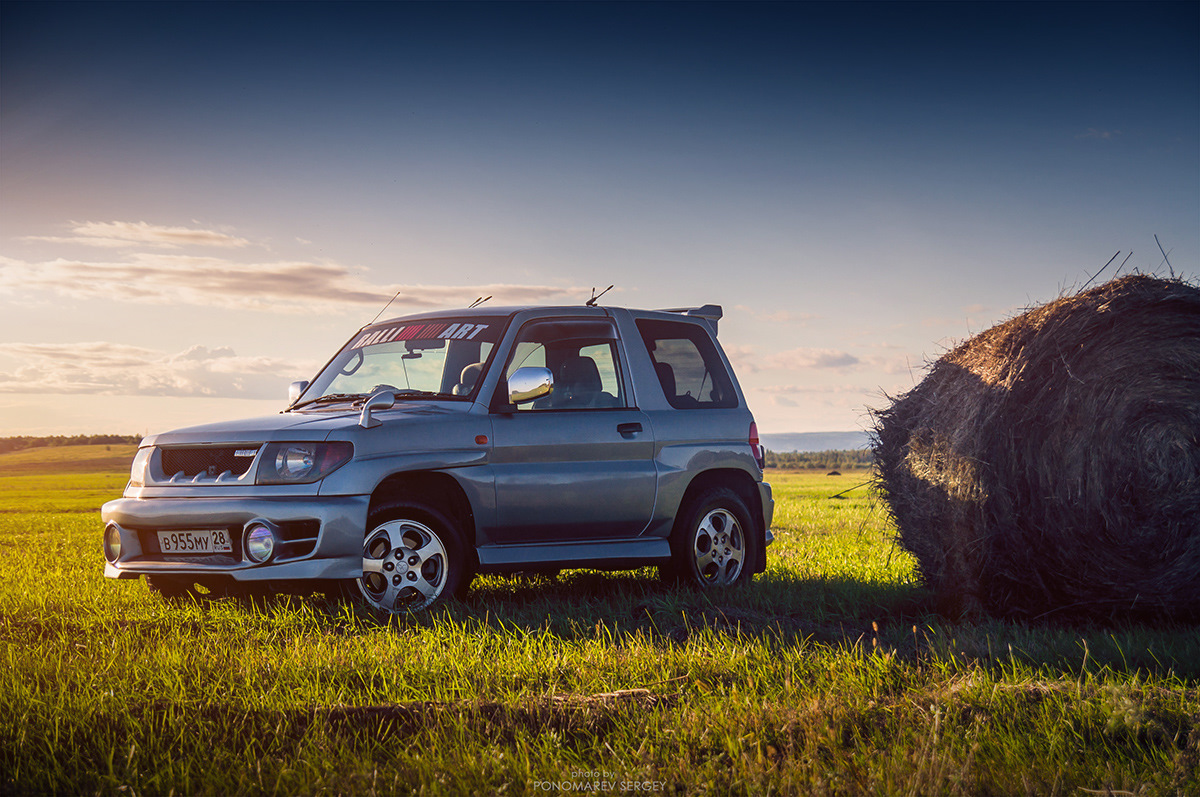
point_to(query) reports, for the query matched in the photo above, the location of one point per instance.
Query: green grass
(829, 676)
(57, 460)
(63, 478)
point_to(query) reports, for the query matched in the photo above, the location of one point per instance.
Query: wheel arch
(744, 485)
(439, 489)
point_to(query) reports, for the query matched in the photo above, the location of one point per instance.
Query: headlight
(301, 463)
(137, 471)
(295, 462)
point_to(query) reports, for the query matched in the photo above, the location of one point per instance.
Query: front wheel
(413, 558)
(712, 544)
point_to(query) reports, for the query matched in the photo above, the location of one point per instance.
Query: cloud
(1102, 135)
(779, 316)
(844, 395)
(113, 369)
(812, 358)
(148, 275)
(743, 357)
(788, 390)
(882, 358)
(281, 286)
(892, 360)
(140, 233)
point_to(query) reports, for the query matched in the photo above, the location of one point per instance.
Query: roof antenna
(596, 296)
(478, 302)
(386, 306)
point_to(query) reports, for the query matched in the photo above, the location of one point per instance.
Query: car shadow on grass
(790, 611)
(775, 605)
(780, 609)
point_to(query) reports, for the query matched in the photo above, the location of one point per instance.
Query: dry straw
(1050, 466)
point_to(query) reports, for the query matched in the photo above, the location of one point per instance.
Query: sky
(200, 203)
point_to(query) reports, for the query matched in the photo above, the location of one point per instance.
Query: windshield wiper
(411, 393)
(400, 394)
(332, 397)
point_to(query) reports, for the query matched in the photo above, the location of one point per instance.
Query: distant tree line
(8, 444)
(829, 460)
(826, 460)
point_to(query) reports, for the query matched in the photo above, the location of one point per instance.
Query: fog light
(112, 543)
(260, 542)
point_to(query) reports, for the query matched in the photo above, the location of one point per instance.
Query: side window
(606, 366)
(526, 353)
(689, 369)
(582, 357)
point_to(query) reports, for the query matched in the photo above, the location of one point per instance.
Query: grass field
(830, 675)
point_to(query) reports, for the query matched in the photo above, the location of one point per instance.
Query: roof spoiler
(711, 313)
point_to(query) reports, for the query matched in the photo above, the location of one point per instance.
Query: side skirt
(610, 555)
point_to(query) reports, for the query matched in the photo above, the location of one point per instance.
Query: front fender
(363, 474)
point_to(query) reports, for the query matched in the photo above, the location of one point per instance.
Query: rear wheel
(414, 557)
(712, 544)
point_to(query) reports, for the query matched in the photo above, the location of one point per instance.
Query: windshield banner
(456, 330)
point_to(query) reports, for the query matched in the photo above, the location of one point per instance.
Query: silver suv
(437, 446)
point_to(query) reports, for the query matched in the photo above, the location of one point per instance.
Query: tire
(713, 544)
(414, 558)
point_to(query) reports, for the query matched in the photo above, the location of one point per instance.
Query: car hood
(304, 425)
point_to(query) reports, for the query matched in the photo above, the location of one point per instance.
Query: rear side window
(689, 369)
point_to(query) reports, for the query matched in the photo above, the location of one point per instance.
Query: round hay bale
(1050, 466)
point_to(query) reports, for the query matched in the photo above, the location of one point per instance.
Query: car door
(578, 464)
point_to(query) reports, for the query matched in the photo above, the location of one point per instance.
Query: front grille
(211, 461)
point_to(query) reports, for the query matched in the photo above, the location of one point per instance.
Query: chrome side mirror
(383, 400)
(295, 390)
(527, 384)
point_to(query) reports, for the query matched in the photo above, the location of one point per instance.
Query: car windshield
(442, 358)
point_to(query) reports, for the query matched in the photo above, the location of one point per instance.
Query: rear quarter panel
(687, 442)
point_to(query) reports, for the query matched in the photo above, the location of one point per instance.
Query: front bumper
(321, 537)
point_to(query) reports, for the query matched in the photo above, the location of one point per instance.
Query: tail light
(760, 455)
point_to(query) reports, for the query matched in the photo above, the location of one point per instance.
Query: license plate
(195, 541)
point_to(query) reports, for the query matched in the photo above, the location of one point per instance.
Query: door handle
(629, 429)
